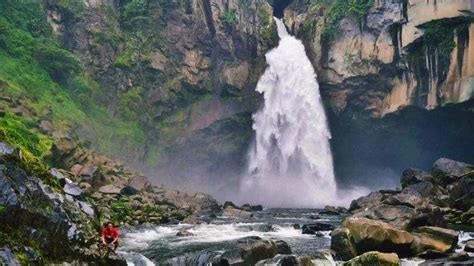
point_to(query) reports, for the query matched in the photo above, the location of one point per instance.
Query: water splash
(290, 164)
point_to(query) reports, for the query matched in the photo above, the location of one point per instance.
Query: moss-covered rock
(343, 244)
(375, 258)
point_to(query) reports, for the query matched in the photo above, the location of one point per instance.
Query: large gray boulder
(251, 250)
(234, 212)
(433, 240)
(372, 199)
(375, 258)
(413, 176)
(398, 216)
(343, 244)
(444, 170)
(462, 193)
(371, 235)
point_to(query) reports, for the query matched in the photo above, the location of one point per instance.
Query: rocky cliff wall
(390, 54)
(185, 71)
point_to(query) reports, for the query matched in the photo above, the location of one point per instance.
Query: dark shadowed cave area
(279, 7)
(374, 152)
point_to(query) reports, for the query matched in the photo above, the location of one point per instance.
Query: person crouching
(110, 236)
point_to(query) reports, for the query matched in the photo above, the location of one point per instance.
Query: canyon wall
(398, 53)
(185, 71)
(382, 65)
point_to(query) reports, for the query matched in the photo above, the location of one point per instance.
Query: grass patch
(20, 132)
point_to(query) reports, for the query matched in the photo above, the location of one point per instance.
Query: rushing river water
(160, 245)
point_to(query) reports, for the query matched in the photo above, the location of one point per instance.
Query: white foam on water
(141, 239)
(411, 262)
(212, 233)
(462, 240)
(135, 259)
(208, 233)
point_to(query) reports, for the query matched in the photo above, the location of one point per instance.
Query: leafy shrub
(229, 18)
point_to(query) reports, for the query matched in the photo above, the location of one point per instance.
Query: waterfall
(290, 163)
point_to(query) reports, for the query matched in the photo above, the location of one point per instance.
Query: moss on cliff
(35, 67)
(19, 132)
(429, 57)
(339, 9)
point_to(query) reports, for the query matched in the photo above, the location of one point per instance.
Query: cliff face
(389, 55)
(382, 65)
(168, 86)
(186, 70)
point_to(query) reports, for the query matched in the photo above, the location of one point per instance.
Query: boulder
(59, 176)
(88, 170)
(251, 250)
(252, 208)
(246, 207)
(433, 240)
(427, 216)
(229, 204)
(87, 208)
(409, 199)
(467, 215)
(372, 235)
(72, 189)
(446, 168)
(375, 258)
(461, 256)
(469, 246)
(111, 189)
(331, 210)
(398, 216)
(342, 244)
(311, 229)
(76, 169)
(425, 189)
(6, 149)
(139, 183)
(374, 198)
(183, 233)
(60, 226)
(234, 212)
(413, 176)
(129, 191)
(462, 193)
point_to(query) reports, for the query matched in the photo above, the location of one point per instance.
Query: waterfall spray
(290, 163)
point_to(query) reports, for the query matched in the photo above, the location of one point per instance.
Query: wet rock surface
(60, 212)
(413, 221)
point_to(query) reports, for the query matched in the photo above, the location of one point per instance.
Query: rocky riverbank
(55, 214)
(417, 221)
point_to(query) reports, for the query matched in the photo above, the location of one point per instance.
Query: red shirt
(110, 233)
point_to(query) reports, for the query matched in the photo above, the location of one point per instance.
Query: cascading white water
(290, 164)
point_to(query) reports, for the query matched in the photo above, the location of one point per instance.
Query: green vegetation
(35, 67)
(266, 20)
(436, 44)
(229, 19)
(119, 210)
(339, 9)
(18, 132)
